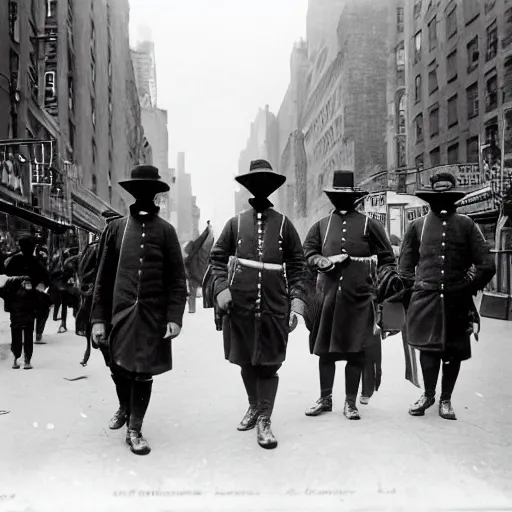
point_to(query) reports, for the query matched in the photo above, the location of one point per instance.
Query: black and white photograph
(255, 255)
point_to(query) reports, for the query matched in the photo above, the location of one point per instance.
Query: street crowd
(347, 280)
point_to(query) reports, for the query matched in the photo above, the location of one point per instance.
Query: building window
(71, 135)
(71, 94)
(417, 8)
(401, 116)
(94, 183)
(489, 5)
(492, 41)
(472, 153)
(453, 154)
(94, 149)
(472, 100)
(507, 80)
(400, 62)
(93, 111)
(418, 122)
(435, 157)
(399, 19)
(51, 8)
(432, 81)
(473, 54)
(417, 89)
(417, 47)
(400, 152)
(453, 117)
(432, 34)
(451, 67)
(507, 29)
(451, 23)
(14, 21)
(433, 121)
(491, 92)
(418, 162)
(471, 10)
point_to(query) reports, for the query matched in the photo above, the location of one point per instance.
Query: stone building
(262, 143)
(459, 78)
(188, 212)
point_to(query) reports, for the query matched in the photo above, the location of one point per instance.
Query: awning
(34, 218)
(476, 196)
(88, 199)
(85, 219)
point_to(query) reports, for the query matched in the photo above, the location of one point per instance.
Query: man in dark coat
(444, 261)
(348, 250)
(140, 294)
(260, 295)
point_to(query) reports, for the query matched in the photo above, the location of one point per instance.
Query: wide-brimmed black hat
(441, 184)
(261, 180)
(343, 183)
(145, 176)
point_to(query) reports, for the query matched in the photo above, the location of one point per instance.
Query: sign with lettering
(467, 175)
(415, 212)
(375, 206)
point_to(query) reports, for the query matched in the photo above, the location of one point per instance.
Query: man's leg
(250, 379)
(327, 372)
(430, 365)
(451, 371)
(124, 384)
(28, 344)
(353, 372)
(16, 344)
(141, 395)
(64, 313)
(267, 384)
(192, 300)
(41, 320)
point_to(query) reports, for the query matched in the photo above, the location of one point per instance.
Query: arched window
(401, 128)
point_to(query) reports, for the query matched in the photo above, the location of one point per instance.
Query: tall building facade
(72, 87)
(262, 143)
(188, 211)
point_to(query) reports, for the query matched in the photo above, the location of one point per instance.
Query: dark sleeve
(409, 255)
(101, 311)
(44, 275)
(219, 258)
(294, 260)
(313, 245)
(482, 258)
(174, 276)
(380, 244)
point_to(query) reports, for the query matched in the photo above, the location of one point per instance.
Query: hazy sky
(217, 62)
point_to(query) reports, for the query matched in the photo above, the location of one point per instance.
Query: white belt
(259, 264)
(339, 258)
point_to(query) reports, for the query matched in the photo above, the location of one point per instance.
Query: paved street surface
(58, 453)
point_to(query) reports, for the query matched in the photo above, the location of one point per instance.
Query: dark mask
(439, 204)
(343, 202)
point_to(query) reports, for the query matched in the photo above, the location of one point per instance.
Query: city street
(60, 455)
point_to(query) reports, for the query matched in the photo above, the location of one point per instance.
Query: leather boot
(39, 340)
(137, 442)
(249, 420)
(350, 411)
(323, 404)
(27, 365)
(266, 438)
(419, 407)
(15, 364)
(446, 411)
(119, 419)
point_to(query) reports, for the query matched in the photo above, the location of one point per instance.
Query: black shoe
(446, 411)
(39, 340)
(419, 408)
(351, 412)
(323, 404)
(15, 364)
(249, 420)
(119, 419)
(265, 437)
(27, 365)
(137, 442)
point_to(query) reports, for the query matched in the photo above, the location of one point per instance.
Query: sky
(218, 61)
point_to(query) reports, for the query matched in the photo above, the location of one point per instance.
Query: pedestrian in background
(260, 302)
(444, 262)
(139, 295)
(348, 250)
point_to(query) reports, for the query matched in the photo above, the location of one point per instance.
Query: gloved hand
(174, 330)
(224, 299)
(323, 264)
(293, 322)
(98, 334)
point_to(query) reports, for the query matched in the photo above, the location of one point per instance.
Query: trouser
(430, 366)
(192, 300)
(261, 384)
(353, 372)
(41, 320)
(22, 340)
(134, 393)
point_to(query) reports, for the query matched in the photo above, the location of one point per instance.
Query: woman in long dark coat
(139, 295)
(260, 295)
(348, 250)
(444, 261)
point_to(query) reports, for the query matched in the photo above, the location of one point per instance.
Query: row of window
(453, 154)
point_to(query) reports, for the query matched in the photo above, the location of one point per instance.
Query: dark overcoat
(140, 287)
(444, 260)
(345, 321)
(256, 327)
